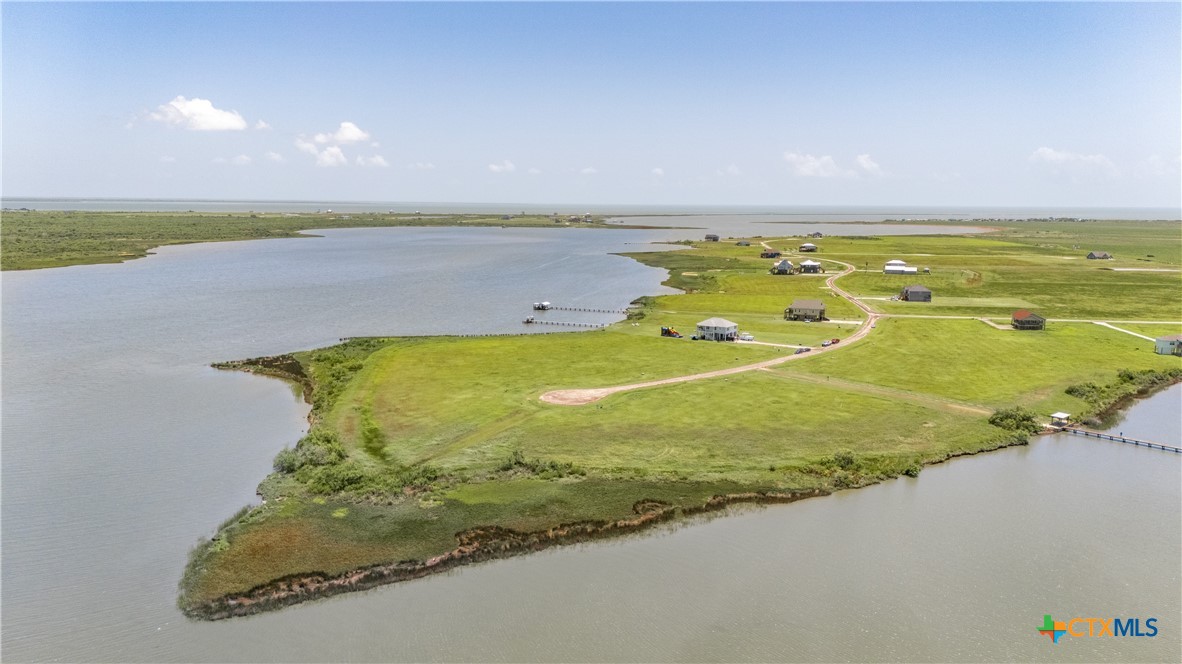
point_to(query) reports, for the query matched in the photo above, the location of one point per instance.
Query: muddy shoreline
(474, 545)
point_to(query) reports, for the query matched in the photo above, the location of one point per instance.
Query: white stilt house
(718, 329)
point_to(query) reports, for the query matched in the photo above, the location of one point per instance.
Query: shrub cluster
(1016, 419)
(1127, 384)
(319, 448)
(320, 463)
(517, 461)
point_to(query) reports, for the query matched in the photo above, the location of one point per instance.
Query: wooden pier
(533, 321)
(1120, 439)
(551, 307)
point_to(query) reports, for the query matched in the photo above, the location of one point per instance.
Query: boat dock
(1120, 439)
(546, 306)
(534, 321)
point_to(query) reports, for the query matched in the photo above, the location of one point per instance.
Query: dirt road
(578, 397)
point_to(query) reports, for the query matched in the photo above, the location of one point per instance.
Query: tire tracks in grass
(930, 401)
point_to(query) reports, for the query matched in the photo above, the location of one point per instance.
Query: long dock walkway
(1120, 439)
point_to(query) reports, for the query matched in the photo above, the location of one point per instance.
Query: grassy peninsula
(38, 239)
(425, 453)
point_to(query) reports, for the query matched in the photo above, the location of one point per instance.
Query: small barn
(1103, 255)
(718, 329)
(770, 253)
(1023, 319)
(808, 246)
(805, 310)
(783, 267)
(1171, 345)
(810, 267)
(712, 238)
(916, 293)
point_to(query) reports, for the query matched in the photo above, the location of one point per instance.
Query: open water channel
(121, 448)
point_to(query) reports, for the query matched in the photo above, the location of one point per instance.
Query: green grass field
(439, 435)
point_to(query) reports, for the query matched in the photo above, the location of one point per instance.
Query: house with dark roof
(915, 294)
(805, 310)
(1099, 254)
(770, 253)
(712, 238)
(1023, 319)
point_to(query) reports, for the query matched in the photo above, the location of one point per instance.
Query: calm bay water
(782, 212)
(121, 448)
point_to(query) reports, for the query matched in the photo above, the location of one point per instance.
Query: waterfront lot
(445, 434)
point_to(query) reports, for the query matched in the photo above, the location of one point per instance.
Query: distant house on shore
(783, 267)
(1104, 255)
(1023, 319)
(1171, 345)
(770, 253)
(718, 329)
(810, 267)
(898, 267)
(712, 238)
(817, 234)
(915, 293)
(805, 310)
(808, 246)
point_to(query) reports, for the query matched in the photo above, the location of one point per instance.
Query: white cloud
(331, 156)
(534, 171)
(590, 170)
(346, 133)
(167, 160)
(421, 166)
(659, 172)
(806, 165)
(275, 156)
(261, 125)
(376, 160)
(1059, 159)
(240, 160)
(198, 115)
(505, 166)
(869, 165)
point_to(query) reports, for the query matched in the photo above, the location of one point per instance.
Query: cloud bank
(198, 114)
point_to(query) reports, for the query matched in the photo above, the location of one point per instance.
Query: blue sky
(1072, 104)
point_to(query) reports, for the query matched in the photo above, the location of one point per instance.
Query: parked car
(801, 350)
(746, 337)
(826, 344)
